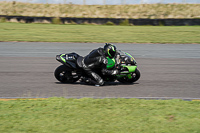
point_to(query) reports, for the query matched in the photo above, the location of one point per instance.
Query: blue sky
(108, 2)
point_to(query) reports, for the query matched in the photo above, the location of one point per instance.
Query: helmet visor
(112, 53)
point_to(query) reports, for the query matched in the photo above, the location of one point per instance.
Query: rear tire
(135, 76)
(66, 75)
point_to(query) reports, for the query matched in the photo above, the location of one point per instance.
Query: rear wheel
(66, 75)
(134, 77)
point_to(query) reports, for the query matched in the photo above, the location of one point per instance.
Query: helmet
(110, 50)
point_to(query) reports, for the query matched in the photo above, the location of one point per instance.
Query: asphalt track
(167, 71)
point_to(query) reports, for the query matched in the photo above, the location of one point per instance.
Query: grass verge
(98, 33)
(100, 115)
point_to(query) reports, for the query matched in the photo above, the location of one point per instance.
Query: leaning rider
(98, 58)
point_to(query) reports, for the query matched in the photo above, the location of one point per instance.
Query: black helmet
(110, 50)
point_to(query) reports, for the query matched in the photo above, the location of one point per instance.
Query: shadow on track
(106, 83)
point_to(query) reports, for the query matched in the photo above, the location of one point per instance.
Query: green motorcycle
(71, 69)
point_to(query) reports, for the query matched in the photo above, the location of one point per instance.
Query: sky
(108, 2)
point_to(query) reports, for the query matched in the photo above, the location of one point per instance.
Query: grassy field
(98, 33)
(151, 11)
(100, 116)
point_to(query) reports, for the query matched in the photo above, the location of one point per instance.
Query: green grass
(88, 115)
(98, 33)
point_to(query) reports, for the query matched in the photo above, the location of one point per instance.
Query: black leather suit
(96, 59)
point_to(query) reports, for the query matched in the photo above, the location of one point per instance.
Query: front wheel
(133, 77)
(66, 75)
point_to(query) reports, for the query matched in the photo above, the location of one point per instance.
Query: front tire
(66, 75)
(134, 77)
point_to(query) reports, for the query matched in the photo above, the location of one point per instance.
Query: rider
(97, 58)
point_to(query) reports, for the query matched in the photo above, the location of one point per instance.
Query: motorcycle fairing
(131, 69)
(127, 59)
(132, 59)
(68, 59)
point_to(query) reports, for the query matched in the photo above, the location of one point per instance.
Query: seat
(79, 61)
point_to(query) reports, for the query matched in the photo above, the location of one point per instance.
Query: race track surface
(167, 71)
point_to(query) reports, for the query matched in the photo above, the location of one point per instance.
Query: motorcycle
(71, 69)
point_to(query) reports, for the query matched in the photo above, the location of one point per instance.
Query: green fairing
(111, 63)
(131, 68)
(63, 58)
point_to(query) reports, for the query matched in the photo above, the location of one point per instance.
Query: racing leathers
(96, 59)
